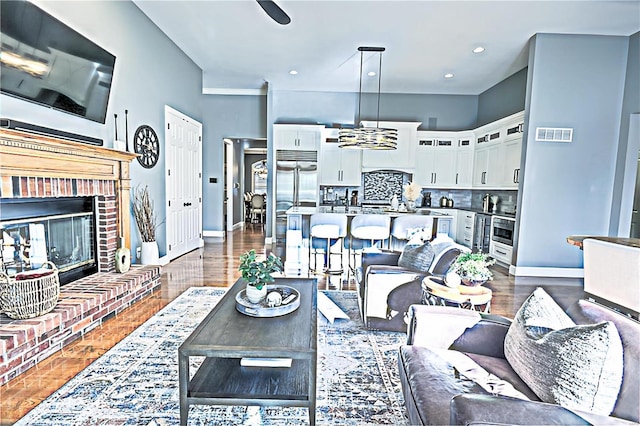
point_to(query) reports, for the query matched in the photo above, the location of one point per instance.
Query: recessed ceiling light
(293, 72)
(371, 73)
(478, 49)
(448, 75)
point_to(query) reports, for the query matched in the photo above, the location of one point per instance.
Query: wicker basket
(29, 298)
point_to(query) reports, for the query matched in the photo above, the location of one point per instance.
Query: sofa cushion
(576, 366)
(417, 257)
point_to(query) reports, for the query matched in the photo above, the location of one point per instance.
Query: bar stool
(325, 229)
(402, 225)
(366, 230)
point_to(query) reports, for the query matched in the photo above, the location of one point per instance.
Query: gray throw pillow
(417, 257)
(575, 366)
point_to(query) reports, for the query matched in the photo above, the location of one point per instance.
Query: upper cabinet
(299, 137)
(338, 166)
(444, 159)
(401, 158)
(497, 153)
(513, 152)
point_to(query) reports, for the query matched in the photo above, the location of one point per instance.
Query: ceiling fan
(274, 11)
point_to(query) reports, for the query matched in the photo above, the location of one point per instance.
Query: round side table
(436, 292)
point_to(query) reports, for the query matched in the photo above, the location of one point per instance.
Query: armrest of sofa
(477, 409)
(460, 329)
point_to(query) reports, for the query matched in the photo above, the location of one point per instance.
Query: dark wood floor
(215, 265)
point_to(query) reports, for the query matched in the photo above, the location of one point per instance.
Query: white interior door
(183, 136)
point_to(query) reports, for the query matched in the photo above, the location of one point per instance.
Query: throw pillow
(575, 366)
(417, 257)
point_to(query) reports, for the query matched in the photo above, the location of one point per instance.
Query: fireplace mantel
(27, 155)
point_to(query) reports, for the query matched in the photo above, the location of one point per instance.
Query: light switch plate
(554, 134)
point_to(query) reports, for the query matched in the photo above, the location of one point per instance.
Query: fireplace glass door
(67, 240)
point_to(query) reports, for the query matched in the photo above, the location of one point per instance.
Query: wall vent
(554, 134)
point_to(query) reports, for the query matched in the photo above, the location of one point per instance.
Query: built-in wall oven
(502, 230)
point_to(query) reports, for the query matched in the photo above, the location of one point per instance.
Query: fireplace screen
(67, 240)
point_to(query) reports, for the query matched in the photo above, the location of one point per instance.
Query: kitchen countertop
(476, 211)
(352, 211)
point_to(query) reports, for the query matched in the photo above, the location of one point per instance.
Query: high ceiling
(239, 47)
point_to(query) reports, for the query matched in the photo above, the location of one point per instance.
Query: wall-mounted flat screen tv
(46, 62)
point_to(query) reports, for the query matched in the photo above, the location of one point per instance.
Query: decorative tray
(262, 310)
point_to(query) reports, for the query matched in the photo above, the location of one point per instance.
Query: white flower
(412, 191)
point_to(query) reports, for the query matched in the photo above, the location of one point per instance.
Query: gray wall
(503, 99)
(573, 81)
(150, 72)
(226, 116)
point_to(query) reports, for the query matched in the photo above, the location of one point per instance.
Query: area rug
(136, 382)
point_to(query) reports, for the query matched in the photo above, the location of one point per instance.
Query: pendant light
(369, 137)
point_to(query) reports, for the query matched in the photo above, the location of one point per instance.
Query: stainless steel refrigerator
(296, 184)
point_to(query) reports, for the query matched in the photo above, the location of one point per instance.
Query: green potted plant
(257, 274)
(473, 268)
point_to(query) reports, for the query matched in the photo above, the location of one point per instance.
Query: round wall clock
(145, 143)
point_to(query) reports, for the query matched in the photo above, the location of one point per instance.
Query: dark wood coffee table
(226, 336)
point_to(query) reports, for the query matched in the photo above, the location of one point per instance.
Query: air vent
(293, 155)
(554, 134)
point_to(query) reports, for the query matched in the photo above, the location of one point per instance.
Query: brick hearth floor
(82, 306)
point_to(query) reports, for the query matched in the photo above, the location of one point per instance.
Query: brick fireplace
(40, 167)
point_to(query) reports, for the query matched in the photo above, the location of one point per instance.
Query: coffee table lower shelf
(223, 381)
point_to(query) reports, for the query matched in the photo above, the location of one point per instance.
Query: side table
(436, 292)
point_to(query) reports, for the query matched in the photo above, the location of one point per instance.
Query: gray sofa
(436, 393)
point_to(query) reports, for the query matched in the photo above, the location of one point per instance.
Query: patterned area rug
(136, 382)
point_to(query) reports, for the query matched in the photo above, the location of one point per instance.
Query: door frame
(228, 165)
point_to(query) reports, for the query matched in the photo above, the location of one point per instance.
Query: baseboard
(540, 271)
(213, 234)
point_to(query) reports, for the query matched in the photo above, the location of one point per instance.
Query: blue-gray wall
(503, 99)
(226, 116)
(150, 72)
(578, 82)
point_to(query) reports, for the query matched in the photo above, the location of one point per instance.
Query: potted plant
(145, 217)
(257, 274)
(473, 268)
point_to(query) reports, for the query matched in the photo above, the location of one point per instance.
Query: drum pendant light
(368, 137)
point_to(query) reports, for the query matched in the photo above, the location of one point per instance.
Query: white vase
(254, 295)
(149, 253)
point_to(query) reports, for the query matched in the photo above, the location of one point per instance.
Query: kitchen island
(297, 237)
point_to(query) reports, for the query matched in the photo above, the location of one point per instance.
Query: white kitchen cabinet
(299, 137)
(488, 167)
(464, 168)
(466, 223)
(444, 159)
(339, 166)
(501, 252)
(402, 158)
(512, 153)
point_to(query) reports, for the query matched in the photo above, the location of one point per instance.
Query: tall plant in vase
(145, 217)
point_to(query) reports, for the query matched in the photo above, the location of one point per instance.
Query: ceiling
(239, 47)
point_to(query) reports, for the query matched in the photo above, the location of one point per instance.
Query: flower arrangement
(144, 214)
(412, 191)
(258, 273)
(473, 268)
